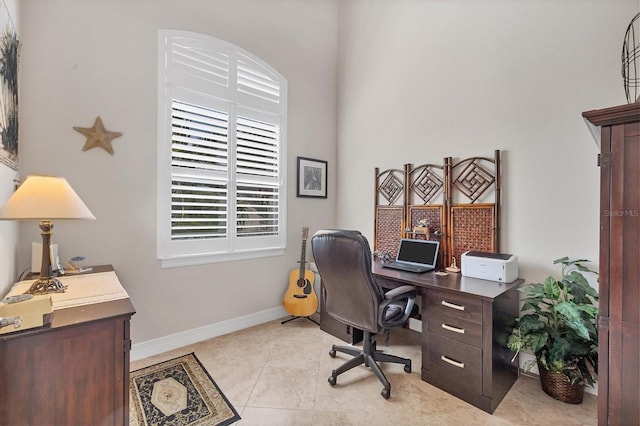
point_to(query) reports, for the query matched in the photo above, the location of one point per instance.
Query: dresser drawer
(455, 327)
(454, 364)
(467, 308)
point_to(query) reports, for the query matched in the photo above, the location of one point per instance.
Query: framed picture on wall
(312, 178)
(9, 48)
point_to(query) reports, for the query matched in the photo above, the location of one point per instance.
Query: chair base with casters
(370, 357)
(353, 296)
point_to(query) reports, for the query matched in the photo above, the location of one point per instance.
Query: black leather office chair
(353, 297)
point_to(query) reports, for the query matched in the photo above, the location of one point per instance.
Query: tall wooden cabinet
(619, 322)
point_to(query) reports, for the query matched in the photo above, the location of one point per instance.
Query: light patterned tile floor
(276, 374)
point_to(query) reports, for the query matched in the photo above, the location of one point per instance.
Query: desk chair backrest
(352, 296)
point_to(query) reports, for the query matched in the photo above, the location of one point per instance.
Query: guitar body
(300, 300)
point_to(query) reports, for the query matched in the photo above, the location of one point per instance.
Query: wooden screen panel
(425, 182)
(434, 214)
(472, 228)
(388, 229)
(389, 196)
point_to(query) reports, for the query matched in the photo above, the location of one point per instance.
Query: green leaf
(583, 268)
(535, 290)
(537, 341)
(558, 351)
(590, 310)
(515, 343)
(551, 288)
(578, 261)
(578, 347)
(579, 288)
(568, 310)
(529, 305)
(579, 328)
(576, 277)
(530, 322)
(561, 260)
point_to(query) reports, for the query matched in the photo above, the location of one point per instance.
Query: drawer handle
(452, 305)
(452, 328)
(452, 362)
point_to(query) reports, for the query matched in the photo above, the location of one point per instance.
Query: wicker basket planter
(557, 386)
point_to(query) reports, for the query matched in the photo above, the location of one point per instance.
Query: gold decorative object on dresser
(74, 371)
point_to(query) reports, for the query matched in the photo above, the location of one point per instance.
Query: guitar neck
(303, 258)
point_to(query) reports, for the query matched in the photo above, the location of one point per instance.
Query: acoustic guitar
(300, 300)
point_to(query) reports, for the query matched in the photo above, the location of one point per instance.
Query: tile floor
(276, 374)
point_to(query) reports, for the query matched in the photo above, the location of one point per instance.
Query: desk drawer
(455, 327)
(467, 308)
(455, 364)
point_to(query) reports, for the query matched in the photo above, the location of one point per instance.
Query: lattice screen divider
(473, 225)
(389, 218)
(461, 221)
(425, 185)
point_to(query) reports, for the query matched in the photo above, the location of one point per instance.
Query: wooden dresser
(465, 326)
(464, 344)
(619, 281)
(73, 372)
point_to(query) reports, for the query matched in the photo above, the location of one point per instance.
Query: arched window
(221, 152)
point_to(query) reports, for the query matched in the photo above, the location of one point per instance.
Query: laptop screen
(422, 252)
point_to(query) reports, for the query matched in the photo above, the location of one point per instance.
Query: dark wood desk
(73, 372)
(465, 325)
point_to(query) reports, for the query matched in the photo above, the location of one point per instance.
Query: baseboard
(188, 337)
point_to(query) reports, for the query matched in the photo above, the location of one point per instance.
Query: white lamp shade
(45, 198)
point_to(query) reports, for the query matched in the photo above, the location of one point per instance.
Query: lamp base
(46, 285)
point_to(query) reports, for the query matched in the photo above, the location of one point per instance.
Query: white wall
(84, 58)
(8, 233)
(421, 80)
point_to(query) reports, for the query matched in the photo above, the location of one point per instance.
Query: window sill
(201, 259)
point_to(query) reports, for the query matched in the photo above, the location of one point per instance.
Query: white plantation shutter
(194, 63)
(257, 171)
(256, 80)
(199, 164)
(221, 181)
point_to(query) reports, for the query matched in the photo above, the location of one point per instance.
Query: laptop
(415, 256)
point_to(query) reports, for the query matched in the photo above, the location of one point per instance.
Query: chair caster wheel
(332, 353)
(332, 380)
(386, 393)
(407, 368)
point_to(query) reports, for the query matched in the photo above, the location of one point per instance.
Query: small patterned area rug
(177, 392)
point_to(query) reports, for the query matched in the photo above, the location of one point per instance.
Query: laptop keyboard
(403, 267)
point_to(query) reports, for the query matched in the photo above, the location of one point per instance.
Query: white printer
(500, 267)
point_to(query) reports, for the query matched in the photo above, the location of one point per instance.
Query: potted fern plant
(558, 324)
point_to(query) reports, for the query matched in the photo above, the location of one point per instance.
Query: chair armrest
(399, 292)
(403, 297)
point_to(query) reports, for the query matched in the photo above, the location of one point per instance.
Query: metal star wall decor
(98, 136)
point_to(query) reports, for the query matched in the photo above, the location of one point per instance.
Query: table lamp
(45, 198)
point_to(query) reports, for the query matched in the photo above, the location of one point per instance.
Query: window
(221, 152)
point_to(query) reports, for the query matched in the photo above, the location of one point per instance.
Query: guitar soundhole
(306, 284)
